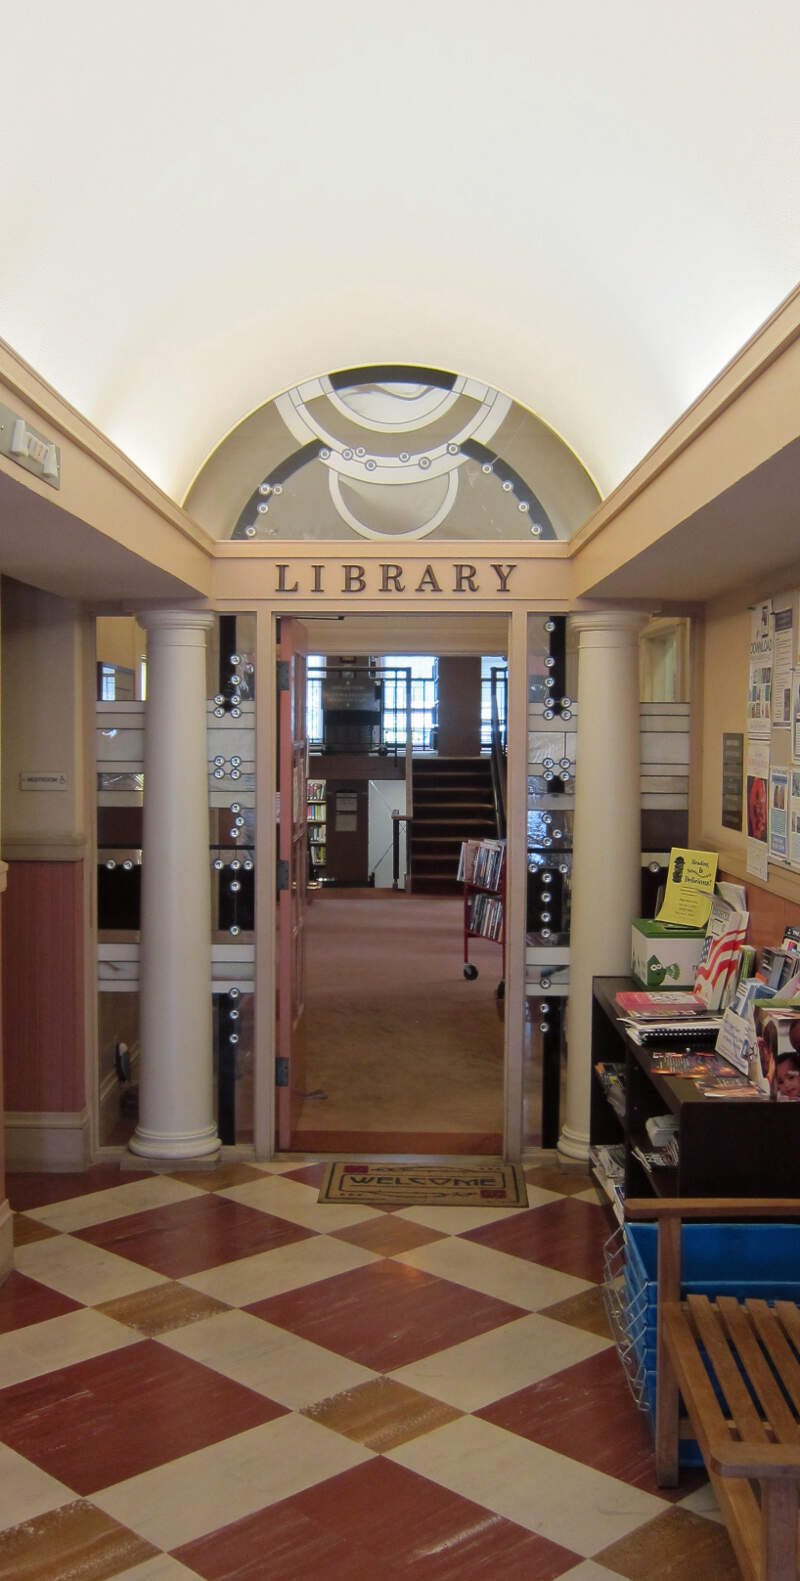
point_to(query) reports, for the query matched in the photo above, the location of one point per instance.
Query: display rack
(482, 872)
(725, 1147)
(317, 825)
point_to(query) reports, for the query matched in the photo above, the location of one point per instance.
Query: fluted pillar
(176, 1120)
(606, 876)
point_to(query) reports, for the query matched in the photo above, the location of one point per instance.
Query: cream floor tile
(281, 1166)
(588, 1571)
(84, 1272)
(25, 1491)
(492, 1365)
(59, 1342)
(162, 1568)
(292, 1200)
(455, 1221)
(215, 1486)
(117, 1202)
(592, 1194)
(543, 1491)
(703, 1502)
(529, 1285)
(270, 1273)
(282, 1366)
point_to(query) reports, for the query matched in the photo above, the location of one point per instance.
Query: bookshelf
(726, 1147)
(482, 871)
(317, 817)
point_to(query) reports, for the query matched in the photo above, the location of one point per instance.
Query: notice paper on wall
(759, 696)
(779, 815)
(783, 649)
(794, 818)
(757, 801)
(689, 888)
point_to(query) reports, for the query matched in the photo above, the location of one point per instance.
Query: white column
(176, 1116)
(606, 874)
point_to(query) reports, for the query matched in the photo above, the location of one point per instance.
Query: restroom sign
(44, 780)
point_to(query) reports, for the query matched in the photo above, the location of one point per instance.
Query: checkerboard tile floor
(214, 1375)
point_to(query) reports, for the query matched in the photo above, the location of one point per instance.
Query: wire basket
(627, 1316)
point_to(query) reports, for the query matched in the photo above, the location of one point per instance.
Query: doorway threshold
(382, 1144)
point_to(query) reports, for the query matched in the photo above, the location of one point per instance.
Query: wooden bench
(751, 1445)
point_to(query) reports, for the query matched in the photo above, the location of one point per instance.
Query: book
(697, 1066)
(731, 1087)
(700, 1028)
(659, 1006)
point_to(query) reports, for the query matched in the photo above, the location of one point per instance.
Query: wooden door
(292, 873)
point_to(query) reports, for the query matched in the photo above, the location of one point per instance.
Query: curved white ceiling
(588, 206)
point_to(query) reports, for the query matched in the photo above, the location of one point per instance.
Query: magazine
(725, 935)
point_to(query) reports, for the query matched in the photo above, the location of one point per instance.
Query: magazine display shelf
(728, 1147)
(482, 871)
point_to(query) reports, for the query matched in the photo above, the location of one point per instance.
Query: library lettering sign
(385, 577)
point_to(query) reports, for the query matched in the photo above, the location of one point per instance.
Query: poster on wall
(783, 657)
(759, 696)
(796, 716)
(757, 804)
(794, 818)
(732, 779)
(779, 815)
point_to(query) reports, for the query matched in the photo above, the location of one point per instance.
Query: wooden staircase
(452, 802)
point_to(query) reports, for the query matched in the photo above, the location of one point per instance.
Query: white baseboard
(58, 1142)
(6, 1241)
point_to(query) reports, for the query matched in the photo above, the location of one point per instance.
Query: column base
(165, 1147)
(573, 1144)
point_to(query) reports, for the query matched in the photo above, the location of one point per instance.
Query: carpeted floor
(396, 1043)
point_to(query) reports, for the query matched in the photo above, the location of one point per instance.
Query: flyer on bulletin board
(759, 697)
(757, 805)
(689, 889)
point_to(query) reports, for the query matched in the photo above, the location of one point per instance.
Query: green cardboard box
(665, 957)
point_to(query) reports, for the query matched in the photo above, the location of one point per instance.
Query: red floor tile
(566, 1235)
(376, 1521)
(110, 1418)
(188, 1237)
(386, 1315)
(405, 1520)
(588, 1413)
(307, 1174)
(34, 1190)
(280, 1544)
(24, 1301)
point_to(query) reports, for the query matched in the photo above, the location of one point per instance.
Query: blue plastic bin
(741, 1260)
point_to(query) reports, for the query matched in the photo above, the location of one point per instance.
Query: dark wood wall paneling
(43, 1003)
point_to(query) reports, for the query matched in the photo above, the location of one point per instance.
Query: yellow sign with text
(690, 888)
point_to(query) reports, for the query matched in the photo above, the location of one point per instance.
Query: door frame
(266, 910)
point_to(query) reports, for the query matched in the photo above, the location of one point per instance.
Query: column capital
(176, 625)
(597, 621)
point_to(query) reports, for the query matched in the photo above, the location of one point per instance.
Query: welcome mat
(439, 1185)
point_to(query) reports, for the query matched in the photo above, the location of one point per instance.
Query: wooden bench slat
(693, 1381)
(738, 1324)
(789, 1314)
(709, 1327)
(774, 1340)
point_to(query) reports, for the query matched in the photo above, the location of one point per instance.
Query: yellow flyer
(690, 888)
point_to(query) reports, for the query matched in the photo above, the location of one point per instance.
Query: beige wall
(121, 641)
(44, 718)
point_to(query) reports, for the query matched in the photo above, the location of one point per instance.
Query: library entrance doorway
(393, 1049)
